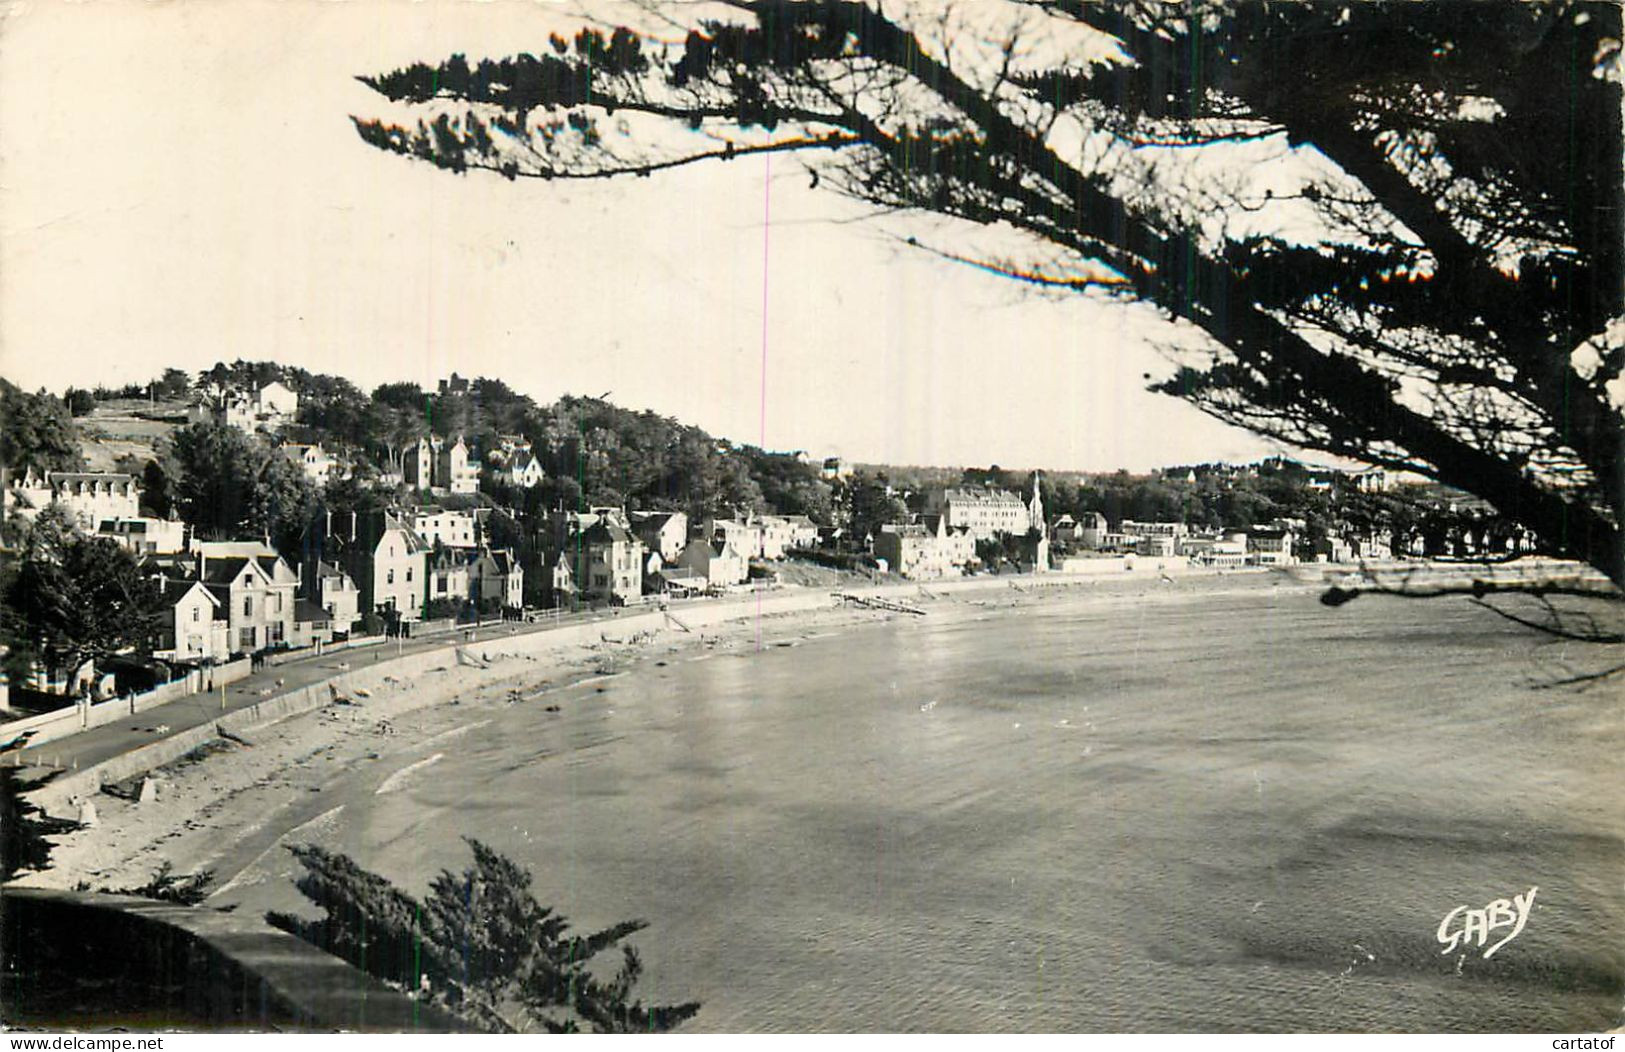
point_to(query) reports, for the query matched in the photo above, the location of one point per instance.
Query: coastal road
(99, 744)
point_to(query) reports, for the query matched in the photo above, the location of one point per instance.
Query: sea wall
(91, 960)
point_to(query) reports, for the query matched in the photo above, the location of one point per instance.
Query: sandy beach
(226, 805)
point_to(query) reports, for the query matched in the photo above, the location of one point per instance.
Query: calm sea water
(1229, 812)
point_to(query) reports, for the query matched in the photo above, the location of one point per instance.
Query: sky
(180, 184)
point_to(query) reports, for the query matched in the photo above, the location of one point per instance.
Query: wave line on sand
(396, 780)
(326, 817)
(455, 732)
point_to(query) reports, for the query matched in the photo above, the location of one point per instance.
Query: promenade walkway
(99, 744)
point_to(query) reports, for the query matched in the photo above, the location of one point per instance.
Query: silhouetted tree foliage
(74, 599)
(870, 506)
(479, 945)
(233, 485)
(401, 395)
(645, 459)
(24, 827)
(36, 431)
(1396, 227)
(79, 401)
(790, 486)
(158, 478)
(245, 375)
(173, 384)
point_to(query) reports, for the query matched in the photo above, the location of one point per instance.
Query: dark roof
(177, 564)
(451, 558)
(981, 495)
(224, 571)
(54, 477)
(268, 564)
(602, 532)
(305, 610)
(174, 588)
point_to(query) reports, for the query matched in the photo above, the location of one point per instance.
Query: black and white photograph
(784, 517)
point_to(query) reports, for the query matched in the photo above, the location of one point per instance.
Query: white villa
(91, 497)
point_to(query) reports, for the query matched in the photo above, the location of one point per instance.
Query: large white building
(984, 511)
(91, 497)
(453, 528)
(1174, 530)
(142, 535)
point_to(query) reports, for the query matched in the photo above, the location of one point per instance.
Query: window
(197, 613)
(248, 606)
(245, 639)
(390, 578)
(408, 575)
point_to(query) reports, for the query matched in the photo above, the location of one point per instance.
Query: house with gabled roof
(329, 587)
(525, 469)
(803, 531)
(143, 535)
(258, 607)
(956, 543)
(717, 560)
(497, 579)
(449, 576)
(452, 527)
(383, 555)
(195, 628)
(611, 564)
(317, 463)
(559, 583)
(665, 532)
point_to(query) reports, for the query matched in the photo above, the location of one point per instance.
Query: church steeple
(1035, 507)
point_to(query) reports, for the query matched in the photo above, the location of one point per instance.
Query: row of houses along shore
(391, 570)
(431, 562)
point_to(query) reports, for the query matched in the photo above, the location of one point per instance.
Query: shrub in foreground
(479, 946)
